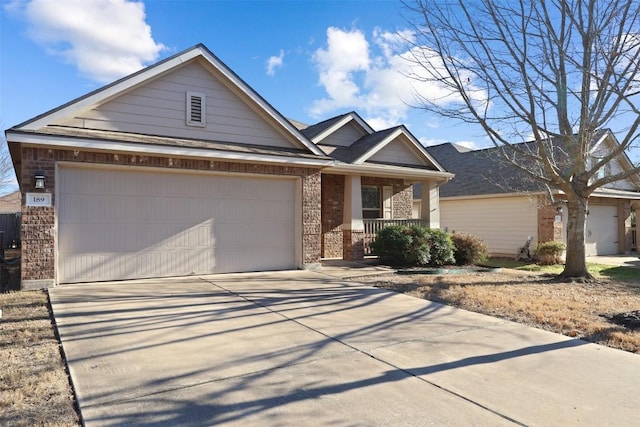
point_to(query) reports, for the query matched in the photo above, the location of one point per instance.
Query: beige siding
(397, 153)
(344, 136)
(159, 108)
(625, 184)
(504, 223)
(614, 167)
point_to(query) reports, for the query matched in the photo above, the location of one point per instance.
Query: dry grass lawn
(535, 299)
(34, 386)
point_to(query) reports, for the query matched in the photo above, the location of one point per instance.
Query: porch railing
(372, 226)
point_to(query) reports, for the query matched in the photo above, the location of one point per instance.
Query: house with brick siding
(182, 168)
(498, 203)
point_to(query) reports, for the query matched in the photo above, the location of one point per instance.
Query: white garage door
(602, 230)
(124, 224)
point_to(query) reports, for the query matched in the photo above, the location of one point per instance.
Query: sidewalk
(623, 260)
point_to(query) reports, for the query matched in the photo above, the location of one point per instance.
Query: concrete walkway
(305, 348)
(623, 260)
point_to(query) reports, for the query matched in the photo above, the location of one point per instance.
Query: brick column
(311, 215)
(353, 226)
(38, 223)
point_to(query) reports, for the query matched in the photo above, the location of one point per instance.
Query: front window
(371, 202)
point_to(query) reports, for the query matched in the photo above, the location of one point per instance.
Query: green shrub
(441, 248)
(420, 250)
(468, 249)
(402, 245)
(549, 253)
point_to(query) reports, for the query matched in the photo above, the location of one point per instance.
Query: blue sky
(311, 60)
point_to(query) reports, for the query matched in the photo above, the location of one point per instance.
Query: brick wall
(353, 242)
(332, 215)
(38, 243)
(548, 228)
(38, 233)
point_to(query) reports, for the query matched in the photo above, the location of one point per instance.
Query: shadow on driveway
(301, 348)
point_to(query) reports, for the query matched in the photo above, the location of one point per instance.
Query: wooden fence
(10, 226)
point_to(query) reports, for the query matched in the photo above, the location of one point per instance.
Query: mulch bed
(629, 320)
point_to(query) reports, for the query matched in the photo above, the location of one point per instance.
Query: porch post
(631, 231)
(353, 226)
(430, 204)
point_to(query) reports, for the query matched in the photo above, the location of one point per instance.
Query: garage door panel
(133, 224)
(601, 236)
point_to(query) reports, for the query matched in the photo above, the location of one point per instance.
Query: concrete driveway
(304, 348)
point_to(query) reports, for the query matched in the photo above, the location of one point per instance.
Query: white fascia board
(494, 196)
(150, 149)
(110, 91)
(616, 194)
(387, 172)
(260, 101)
(603, 138)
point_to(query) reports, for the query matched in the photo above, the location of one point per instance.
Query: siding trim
(108, 145)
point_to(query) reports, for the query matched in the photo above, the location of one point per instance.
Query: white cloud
(379, 80)
(104, 39)
(347, 53)
(274, 62)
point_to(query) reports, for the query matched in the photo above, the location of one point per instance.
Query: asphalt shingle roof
(314, 130)
(174, 142)
(479, 172)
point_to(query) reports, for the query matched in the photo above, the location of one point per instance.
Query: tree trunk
(576, 263)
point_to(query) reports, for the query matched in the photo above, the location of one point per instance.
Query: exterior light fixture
(39, 179)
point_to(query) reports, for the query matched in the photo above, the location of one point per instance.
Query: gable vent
(196, 109)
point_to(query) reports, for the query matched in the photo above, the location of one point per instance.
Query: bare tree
(8, 182)
(551, 72)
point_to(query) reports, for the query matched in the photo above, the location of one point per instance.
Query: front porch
(355, 208)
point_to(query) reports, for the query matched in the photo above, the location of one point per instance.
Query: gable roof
(88, 123)
(484, 172)
(119, 87)
(365, 148)
(320, 131)
(358, 155)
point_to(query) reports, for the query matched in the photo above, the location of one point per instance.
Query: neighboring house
(10, 213)
(182, 168)
(10, 203)
(497, 203)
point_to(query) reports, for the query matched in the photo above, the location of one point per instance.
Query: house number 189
(38, 199)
